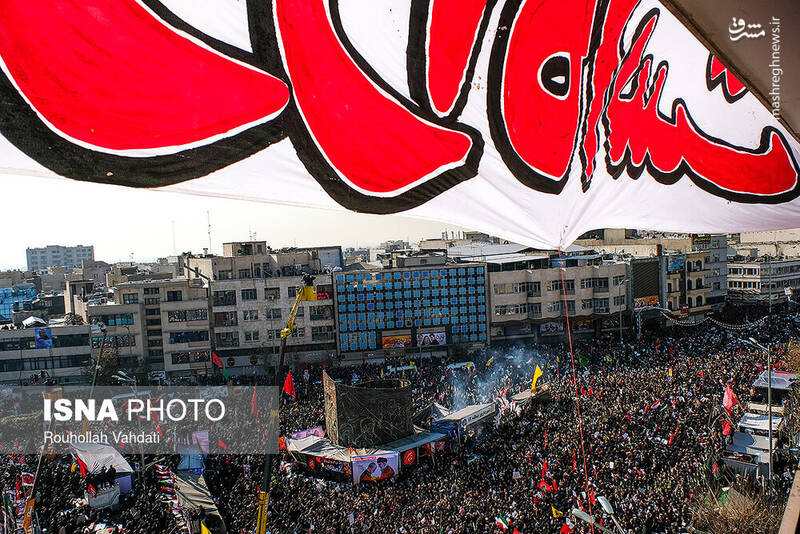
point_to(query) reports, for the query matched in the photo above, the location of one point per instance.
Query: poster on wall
(374, 467)
(396, 341)
(551, 328)
(425, 339)
(44, 338)
(644, 302)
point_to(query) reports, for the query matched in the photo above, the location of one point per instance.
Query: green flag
(584, 362)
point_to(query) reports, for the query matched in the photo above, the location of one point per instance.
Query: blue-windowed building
(416, 308)
(11, 297)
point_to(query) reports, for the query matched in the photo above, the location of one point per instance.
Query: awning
(470, 414)
(97, 455)
(323, 448)
(744, 443)
(412, 441)
(192, 493)
(758, 421)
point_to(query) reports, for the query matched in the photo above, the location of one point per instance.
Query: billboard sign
(552, 328)
(646, 301)
(396, 341)
(44, 338)
(425, 339)
(374, 467)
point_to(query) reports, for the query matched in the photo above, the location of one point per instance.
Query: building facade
(764, 281)
(530, 303)
(63, 358)
(43, 257)
(13, 299)
(716, 245)
(416, 309)
(685, 276)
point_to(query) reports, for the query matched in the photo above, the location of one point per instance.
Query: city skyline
(71, 212)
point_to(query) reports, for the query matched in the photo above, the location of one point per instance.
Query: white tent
(757, 421)
(95, 456)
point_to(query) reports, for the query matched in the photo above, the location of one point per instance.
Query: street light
(583, 516)
(610, 511)
(756, 344)
(619, 294)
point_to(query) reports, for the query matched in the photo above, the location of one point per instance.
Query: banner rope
(575, 383)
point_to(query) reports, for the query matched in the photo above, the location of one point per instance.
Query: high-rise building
(43, 257)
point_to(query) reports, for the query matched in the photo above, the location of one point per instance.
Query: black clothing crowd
(646, 435)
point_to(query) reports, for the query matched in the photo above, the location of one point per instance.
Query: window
(250, 315)
(153, 322)
(319, 313)
(553, 307)
(569, 285)
(227, 339)
(535, 310)
(619, 300)
(510, 309)
(587, 283)
(249, 294)
(291, 292)
(244, 273)
(191, 336)
(152, 311)
(587, 304)
(179, 316)
(601, 305)
(174, 296)
(224, 298)
(130, 298)
(225, 319)
(272, 293)
(273, 313)
(154, 342)
(251, 335)
(154, 333)
(601, 284)
(322, 333)
(225, 275)
(152, 301)
(618, 279)
(152, 290)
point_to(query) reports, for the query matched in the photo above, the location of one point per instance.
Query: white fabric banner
(536, 120)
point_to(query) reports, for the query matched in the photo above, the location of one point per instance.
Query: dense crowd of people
(646, 433)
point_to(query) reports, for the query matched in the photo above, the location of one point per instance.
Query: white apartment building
(43, 257)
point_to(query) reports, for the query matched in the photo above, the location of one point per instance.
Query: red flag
(281, 443)
(701, 373)
(81, 466)
(543, 485)
(565, 529)
(726, 428)
(215, 360)
(574, 462)
(288, 386)
(254, 403)
(671, 437)
(19, 493)
(729, 399)
(544, 468)
(592, 498)
(222, 445)
(555, 487)
(91, 490)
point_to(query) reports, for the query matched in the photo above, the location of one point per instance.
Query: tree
(108, 366)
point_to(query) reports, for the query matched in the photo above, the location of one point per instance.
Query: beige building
(686, 276)
(529, 303)
(764, 281)
(62, 360)
(620, 241)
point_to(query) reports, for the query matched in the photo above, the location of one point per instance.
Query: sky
(121, 221)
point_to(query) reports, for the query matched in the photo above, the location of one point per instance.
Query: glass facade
(411, 307)
(11, 295)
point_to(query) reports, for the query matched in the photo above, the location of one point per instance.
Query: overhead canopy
(433, 410)
(192, 494)
(470, 414)
(758, 421)
(97, 455)
(323, 448)
(462, 112)
(744, 443)
(778, 382)
(412, 441)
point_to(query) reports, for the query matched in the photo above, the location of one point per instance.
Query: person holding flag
(218, 362)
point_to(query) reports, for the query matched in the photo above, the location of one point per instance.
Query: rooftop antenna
(208, 216)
